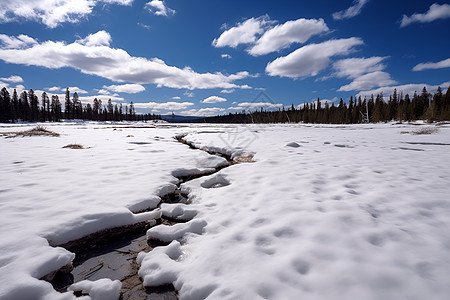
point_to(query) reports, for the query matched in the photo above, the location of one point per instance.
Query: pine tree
(68, 105)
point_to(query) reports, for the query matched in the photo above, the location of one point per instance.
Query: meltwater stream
(112, 253)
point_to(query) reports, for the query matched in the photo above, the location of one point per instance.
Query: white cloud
(12, 78)
(257, 105)
(203, 112)
(435, 12)
(51, 13)
(366, 73)
(19, 42)
(116, 65)
(188, 94)
(322, 102)
(125, 88)
(352, 11)
(405, 89)
(159, 8)
(101, 38)
(176, 98)
(73, 89)
(214, 99)
(228, 56)
(368, 81)
(283, 35)
(355, 67)
(164, 105)
(54, 89)
(227, 91)
(309, 60)
(104, 97)
(148, 27)
(430, 65)
(243, 33)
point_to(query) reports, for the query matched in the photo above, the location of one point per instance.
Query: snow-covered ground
(323, 212)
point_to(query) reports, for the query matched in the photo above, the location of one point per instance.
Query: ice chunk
(178, 211)
(169, 233)
(102, 289)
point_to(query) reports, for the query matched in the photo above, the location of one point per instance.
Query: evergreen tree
(68, 111)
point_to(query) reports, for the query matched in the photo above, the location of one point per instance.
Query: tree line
(426, 106)
(27, 107)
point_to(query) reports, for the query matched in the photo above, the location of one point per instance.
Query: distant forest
(27, 107)
(426, 106)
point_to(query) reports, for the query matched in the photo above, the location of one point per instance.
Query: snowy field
(321, 212)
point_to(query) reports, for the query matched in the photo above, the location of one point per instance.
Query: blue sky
(207, 57)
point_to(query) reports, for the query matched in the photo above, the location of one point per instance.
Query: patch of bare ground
(74, 146)
(244, 159)
(36, 131)
(423, 130)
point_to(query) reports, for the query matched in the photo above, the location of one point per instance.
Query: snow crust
(49, 194)
(323, 212)
(102, 289)
(356, 212)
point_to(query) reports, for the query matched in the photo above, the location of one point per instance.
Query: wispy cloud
(164, 105)
(352, 11)
(309, 60)
(93, 56)
(434, 13)
(404, 88)
(12, 78)
(366, 73)
(203, 112)
(430, 65)
(227, 56)
(243, 33)
(148, 27)
(368, 81)
(214, 99)
(51, 13)
(159, 8)
(130, 88)
(283, 35)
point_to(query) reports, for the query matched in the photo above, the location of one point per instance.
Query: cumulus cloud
(75, 89)
(19, 42)
(159, 8)
(213, 99)
(283, 35)
(125, 88)
(309, 60)
(12, 78)
(354, 67)
(430, 65)
(228, 56)
(404, 88)
(352, 11)
(243, 33)
(435, 12)
(101, 38)
(54, 89)
(368, 81)
(51, 13)
(227, 91)
(176, 98)
(164, 105)
(203, 112)
(114, 64)
(366, 73)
